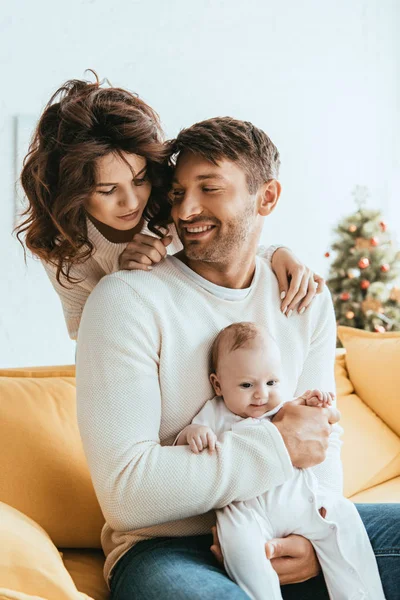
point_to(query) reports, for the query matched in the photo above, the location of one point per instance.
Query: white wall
(322, 78)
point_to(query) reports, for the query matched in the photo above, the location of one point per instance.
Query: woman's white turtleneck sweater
(104, 260)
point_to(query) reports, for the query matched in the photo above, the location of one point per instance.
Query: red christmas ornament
(327, 254)
(374, 241)
(385, 268)
(383, 225)
(364, 285)
(345, 296)
(379, 329)
(363, 263)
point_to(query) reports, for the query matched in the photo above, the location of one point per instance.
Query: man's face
(214, 213)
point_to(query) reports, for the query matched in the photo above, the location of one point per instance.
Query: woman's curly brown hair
(81, 123)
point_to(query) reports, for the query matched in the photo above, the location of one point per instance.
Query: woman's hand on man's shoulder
(143, 252)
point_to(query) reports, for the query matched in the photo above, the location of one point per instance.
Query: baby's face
(249, 379)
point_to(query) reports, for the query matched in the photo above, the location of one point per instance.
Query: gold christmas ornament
(395, 295)
(362, 243)
(352, 273)
(350, 315)
(371, 304)
(353, 228)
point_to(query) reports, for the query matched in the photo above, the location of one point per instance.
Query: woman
(94, 179)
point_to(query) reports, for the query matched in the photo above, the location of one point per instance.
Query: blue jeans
(184, 568)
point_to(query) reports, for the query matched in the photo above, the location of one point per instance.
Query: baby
(248, 382)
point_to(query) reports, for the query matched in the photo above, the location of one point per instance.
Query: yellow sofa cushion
(373, 364)
(389, 491)
(86, 570)
(30, 565)
(371, 450)
(43, 469)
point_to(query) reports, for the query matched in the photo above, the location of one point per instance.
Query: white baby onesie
(340, 540)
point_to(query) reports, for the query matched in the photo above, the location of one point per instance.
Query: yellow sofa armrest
(30, 565)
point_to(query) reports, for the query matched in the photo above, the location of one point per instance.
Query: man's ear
(268, 197)
(215, 384)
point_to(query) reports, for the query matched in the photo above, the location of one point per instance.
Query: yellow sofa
(50, 520)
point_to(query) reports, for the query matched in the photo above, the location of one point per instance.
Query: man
(142, 374)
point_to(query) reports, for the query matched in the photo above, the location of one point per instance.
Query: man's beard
(226, 243)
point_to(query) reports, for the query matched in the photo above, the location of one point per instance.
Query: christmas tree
(363, 275)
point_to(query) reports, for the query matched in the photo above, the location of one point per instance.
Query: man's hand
(305, 431)
(293, 557)
(143, 252)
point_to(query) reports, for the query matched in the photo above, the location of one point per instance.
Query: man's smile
(197, 231)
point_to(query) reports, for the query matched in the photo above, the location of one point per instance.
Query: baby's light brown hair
(233, 337)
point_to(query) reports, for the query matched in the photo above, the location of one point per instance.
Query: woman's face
(122, 191)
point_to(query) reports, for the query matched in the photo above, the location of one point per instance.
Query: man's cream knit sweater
(142, 375)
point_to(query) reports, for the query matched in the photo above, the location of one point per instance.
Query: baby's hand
(200, 437)
(318, 398)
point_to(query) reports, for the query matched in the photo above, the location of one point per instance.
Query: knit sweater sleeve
(73, 297)
(138, 481)
(318, 372)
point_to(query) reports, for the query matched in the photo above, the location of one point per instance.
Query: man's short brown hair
(239, 141)
(236, 336)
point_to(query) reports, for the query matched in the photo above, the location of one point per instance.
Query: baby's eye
(245, 385)
(272, 382)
